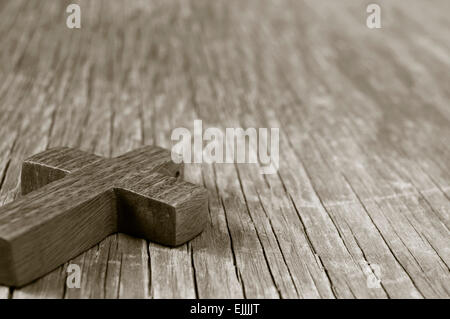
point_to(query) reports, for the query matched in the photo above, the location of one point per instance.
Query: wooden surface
(72, 200)
(363, 187)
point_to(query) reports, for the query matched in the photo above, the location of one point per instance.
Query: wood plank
(315, 171)
(28, 139)
(253, 267)
(323, 279)
(345, 143)
(364, 176)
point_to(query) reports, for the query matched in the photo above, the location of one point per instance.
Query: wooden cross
(74, 200)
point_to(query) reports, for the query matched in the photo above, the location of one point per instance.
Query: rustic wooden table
(363, 188)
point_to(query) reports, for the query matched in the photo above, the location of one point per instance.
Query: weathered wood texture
(72, 200)
(363, 188)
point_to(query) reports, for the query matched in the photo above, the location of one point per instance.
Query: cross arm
(51, 165)
(56, 163)
(161, 208)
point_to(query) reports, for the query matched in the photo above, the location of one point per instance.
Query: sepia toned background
(363, 189)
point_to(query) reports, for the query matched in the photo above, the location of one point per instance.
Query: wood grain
(364, 178)
(136, 193)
